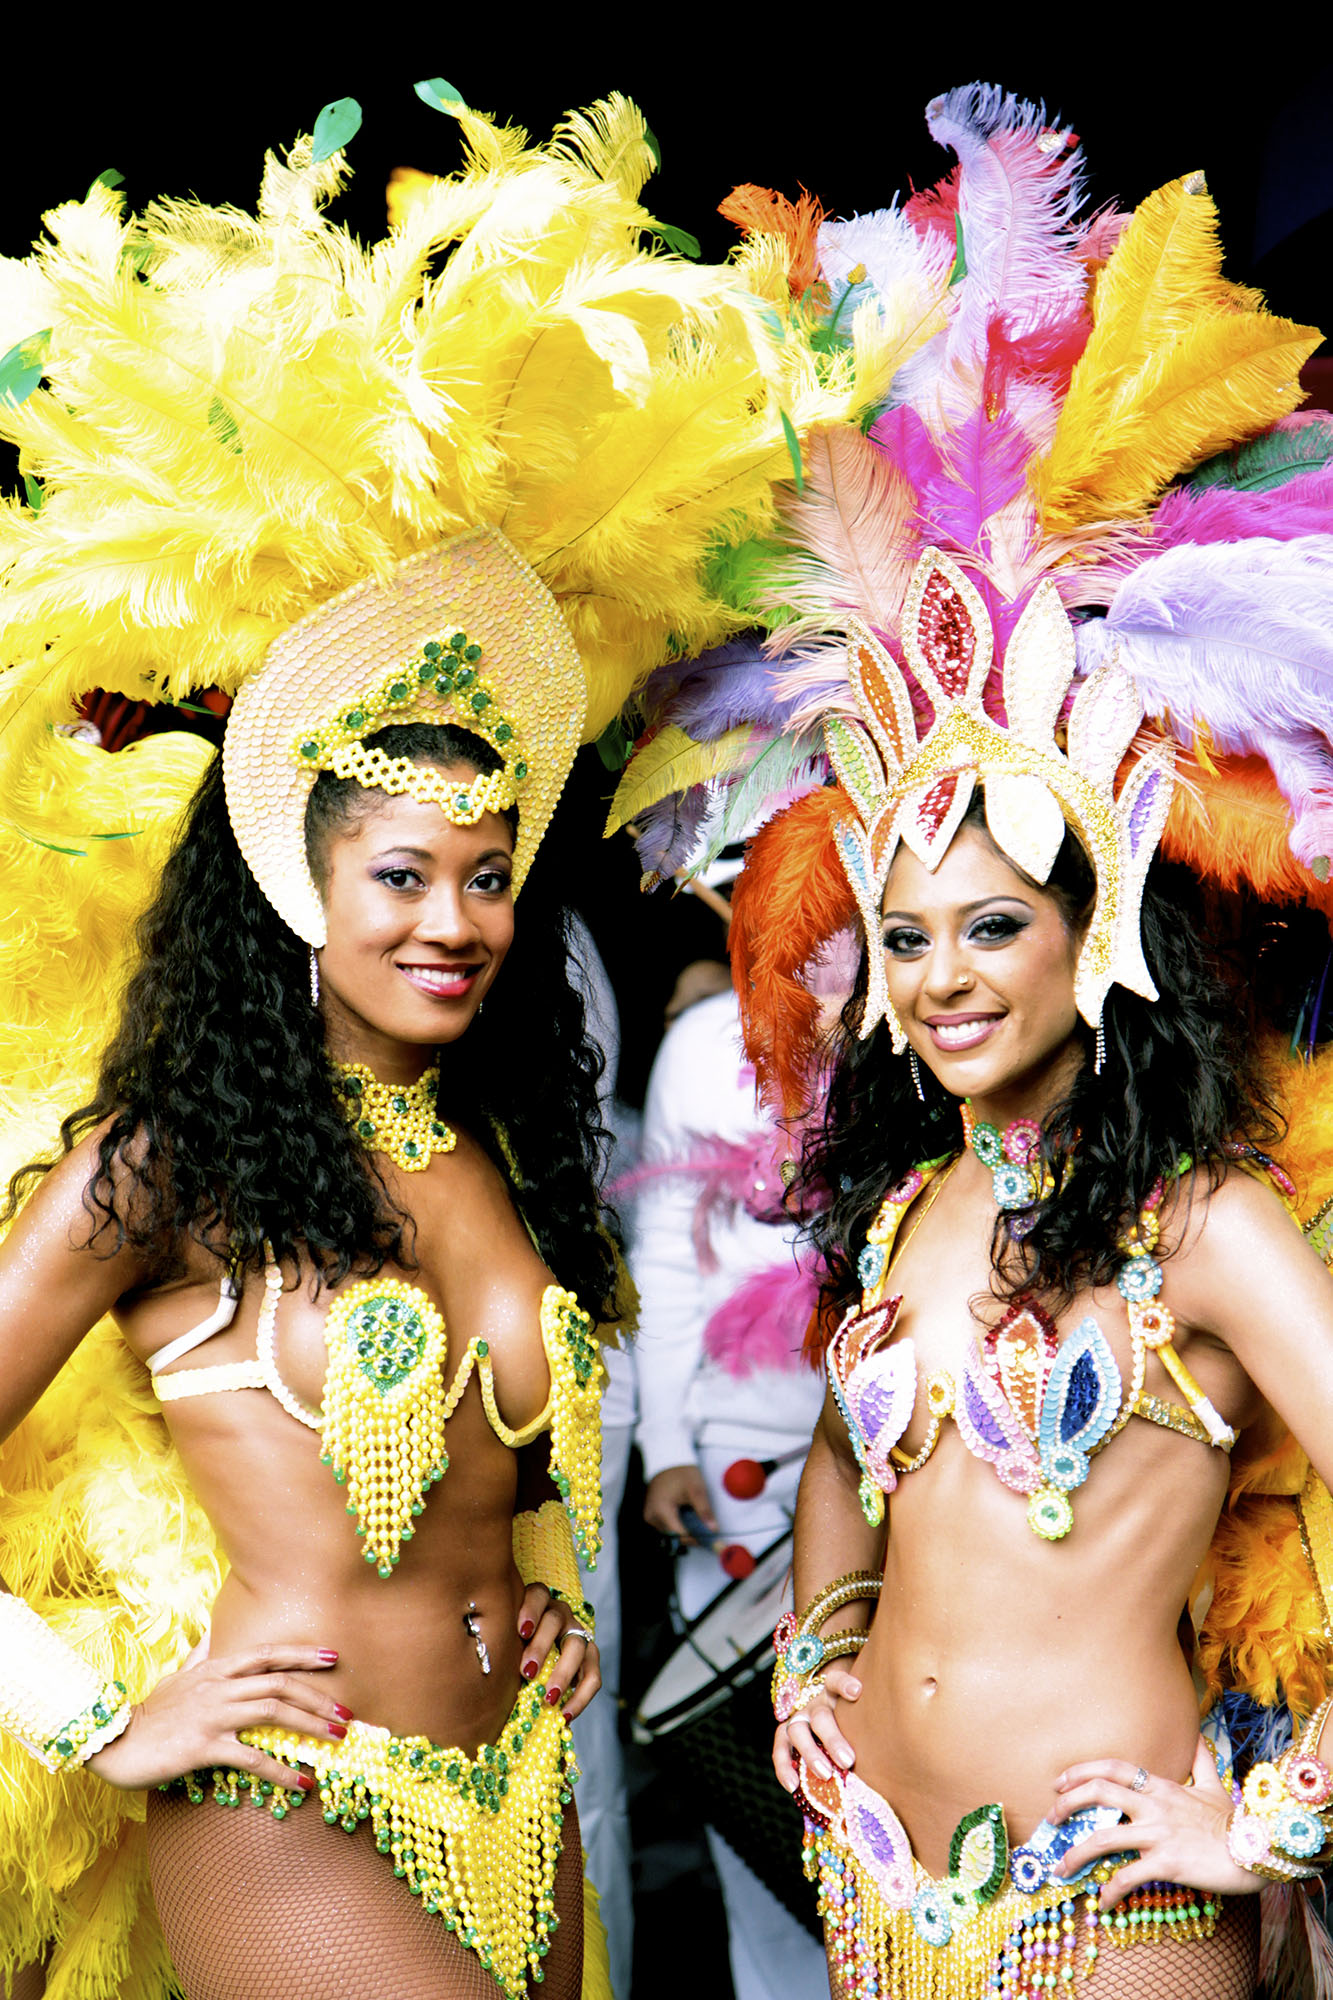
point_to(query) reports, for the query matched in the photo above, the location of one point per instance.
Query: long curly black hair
(216, 1091)
(1180, 1080)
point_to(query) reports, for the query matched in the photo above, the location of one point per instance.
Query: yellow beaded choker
(395, 1118)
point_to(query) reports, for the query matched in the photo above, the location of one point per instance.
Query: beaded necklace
(1009, 1155)
(395, 1118)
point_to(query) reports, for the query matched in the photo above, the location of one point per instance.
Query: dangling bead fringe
(384, 1408)
(915, 1068)
(1099, 1053)
(314, 978)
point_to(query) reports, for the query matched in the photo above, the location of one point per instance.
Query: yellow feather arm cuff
(51, 1700)
(544, 1553)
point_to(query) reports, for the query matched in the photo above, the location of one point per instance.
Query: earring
(915, 1068)
(1099, 1051)
(314, 978)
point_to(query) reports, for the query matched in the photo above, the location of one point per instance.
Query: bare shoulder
(1241, 1264)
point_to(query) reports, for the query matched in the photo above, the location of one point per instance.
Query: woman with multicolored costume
(1061, 598)
(427, 511)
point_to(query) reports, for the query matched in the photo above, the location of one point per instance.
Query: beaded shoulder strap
(872, 1266)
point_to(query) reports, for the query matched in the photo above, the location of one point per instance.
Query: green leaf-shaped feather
(22, 368)
(440, 96)
(336, 126)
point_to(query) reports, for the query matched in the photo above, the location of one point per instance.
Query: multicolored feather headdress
(1071, 535)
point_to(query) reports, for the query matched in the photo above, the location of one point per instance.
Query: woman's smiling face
(980, 969)
(420, 915)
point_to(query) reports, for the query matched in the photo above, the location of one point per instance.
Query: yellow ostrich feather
(1179, 364)
(243, 415)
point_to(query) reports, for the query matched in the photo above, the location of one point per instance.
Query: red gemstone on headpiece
(945, 635)
(934, 807)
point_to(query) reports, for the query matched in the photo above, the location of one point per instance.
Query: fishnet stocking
(1223, 1967)
(251, 1906)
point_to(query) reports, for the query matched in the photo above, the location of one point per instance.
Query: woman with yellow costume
(299, 1329)
(1062, 597)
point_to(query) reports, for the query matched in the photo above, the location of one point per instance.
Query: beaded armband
(1282, 1829)
(801, 1652)
(544, 1553)
(51, 1700)
(576, 1416)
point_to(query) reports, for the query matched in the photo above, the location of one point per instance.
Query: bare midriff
(996, 1659)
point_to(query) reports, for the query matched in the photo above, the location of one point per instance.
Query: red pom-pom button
(736, 1560)
(745, 1479)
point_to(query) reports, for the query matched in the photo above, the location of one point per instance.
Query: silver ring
(574, 1632)
(1139, 1780)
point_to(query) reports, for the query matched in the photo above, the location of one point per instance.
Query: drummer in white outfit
(699, 1416)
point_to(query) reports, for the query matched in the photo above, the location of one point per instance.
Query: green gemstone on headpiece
(520, 770)
(502, 732)
(480, 700)
(354, 718)
(472, 653)
(411, 1148)
(464, 677)
(365, 1128)
(427, 671)
(461, 802)
(398, 1105)
(458, 641)
(432, 649)
(310, 749)
(398, 692)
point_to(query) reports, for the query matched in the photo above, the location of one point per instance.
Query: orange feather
(765, 212)
(790, 898)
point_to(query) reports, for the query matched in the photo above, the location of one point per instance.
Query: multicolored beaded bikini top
(1032, 1405)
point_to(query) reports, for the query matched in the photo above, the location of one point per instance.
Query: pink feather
(848, 543)
(1304, 506)
(1019, 194)
(763, 1323)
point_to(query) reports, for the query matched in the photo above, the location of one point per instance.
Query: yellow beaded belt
(477, 1839)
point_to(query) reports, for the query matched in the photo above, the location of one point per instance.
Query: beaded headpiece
(1073, 540)
(917, 793)
(465, 634)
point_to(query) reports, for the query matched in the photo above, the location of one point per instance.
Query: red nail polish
(553, 1695)
(337, 1729)
(528, 1669)
(526, 1629)
(305, 1783)
(327, 1656)
(345, 1713)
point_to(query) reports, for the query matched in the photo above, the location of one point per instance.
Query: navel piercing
(915, 1068)
(474, 1633)
(314, 978)
(1099, 1052)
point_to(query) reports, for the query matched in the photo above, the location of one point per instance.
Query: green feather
(1268, 461)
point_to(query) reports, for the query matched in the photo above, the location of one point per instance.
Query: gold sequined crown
(918, 791)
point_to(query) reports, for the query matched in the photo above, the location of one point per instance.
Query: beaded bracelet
(1282, 1829)
(800, 1650)
(544, 1553)
(51, 1700)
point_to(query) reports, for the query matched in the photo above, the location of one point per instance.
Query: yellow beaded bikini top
(1034, 1406)
(385, 1402)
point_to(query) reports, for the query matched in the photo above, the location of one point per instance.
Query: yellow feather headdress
(266, 459)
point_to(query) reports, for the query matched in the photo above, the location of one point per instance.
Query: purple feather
(710, 694)
(669, 831)
(1238, 636)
